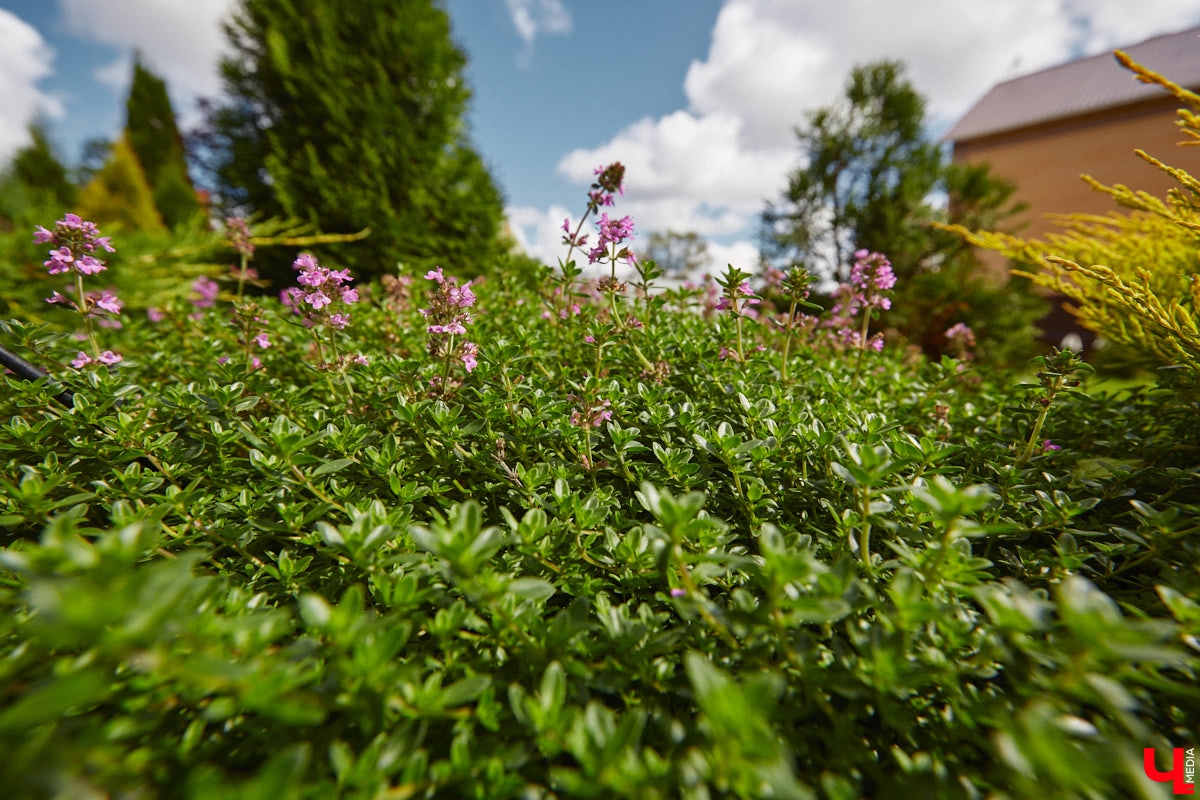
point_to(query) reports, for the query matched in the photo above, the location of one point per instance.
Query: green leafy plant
(633, 570)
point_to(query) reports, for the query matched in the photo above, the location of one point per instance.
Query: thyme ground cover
(690, 543)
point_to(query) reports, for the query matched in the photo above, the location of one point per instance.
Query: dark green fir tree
(36, 168)
(154, 136)
(350, 116)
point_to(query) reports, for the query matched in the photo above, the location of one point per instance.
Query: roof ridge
(1104, 54)
(1082, 85)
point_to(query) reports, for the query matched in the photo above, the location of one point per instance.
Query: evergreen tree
(35, 167)
(154, 137)
(356, 112)
(119, 194)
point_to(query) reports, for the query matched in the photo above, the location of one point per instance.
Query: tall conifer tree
(154, 136)
(119, 194)
(355, 111)
(36, 167)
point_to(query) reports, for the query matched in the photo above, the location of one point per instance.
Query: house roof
(1081, 86)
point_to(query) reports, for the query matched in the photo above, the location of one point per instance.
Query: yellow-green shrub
(1133, 277)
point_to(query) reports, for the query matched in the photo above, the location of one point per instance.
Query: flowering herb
(739, 301)
(447, 314)
(321, 299)
(1056, 376)
(75, 242)
(960, 341)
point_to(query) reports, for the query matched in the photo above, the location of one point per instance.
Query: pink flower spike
(317, 300)
(60, 260)
(108, 302)
(312, 277)
(81, 360)
(109, 357)
(435, 275)
(207, 289)
(349, 296)
(41, 235)
(89, 265)
(305, 261)
(262, 340)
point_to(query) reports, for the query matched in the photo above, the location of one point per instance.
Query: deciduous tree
(874, 179)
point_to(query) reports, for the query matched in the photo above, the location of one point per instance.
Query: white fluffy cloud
(711, 167)
(25, 59)
(531, 17)
(539, 232)
(181, 40)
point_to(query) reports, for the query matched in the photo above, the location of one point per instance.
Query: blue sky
(698, 98)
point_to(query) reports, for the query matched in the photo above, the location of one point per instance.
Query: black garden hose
(28, 372)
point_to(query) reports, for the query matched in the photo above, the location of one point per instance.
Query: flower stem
(787, 342)
(1037, 426)
(81, 303)
(242, 277)
(862, 343)
(446, 365)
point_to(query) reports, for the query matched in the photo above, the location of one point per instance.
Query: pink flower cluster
(94, 302)
(75, 240)
(206, 290)
(870, 278)
(613, 232)
(108, 357)
(960, 340)
(609, 179)
(322, 289)
(591, 414)
(238, 231)
(739, 301)
(448, 316)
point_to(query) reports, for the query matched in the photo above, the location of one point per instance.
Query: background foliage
(870, 180)
(353, 117)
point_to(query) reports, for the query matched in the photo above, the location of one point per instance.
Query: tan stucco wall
(1046, 161)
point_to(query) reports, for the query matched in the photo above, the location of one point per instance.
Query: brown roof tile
(1078, 87)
